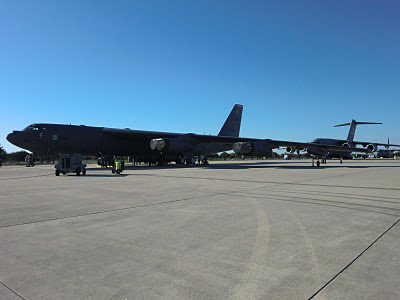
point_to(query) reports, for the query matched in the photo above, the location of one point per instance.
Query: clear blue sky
(298, 67)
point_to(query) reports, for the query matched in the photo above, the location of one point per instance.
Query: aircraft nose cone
(14, 138)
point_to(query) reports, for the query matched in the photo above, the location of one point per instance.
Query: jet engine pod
(346, 145)
(290, 149)
(256, 148)
(371, 147)
(170, 145)
(317, 151)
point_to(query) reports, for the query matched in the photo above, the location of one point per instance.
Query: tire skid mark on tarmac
(309, 245)
(301, 183)
(317, 202)
(337, 195)
(274, 184)
(331, 201)
(248, 285)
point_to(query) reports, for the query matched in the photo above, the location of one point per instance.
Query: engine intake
(371, 147)
(290, 149)
(170, 145)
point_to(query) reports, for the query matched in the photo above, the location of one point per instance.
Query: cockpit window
(35, 128)
(31, 128)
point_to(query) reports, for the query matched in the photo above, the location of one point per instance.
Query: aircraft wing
(137, 134)
(364, 144)
(302, 146)
(199, 138)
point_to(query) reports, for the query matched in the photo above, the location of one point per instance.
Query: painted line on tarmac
(14, 292)
(358, 256)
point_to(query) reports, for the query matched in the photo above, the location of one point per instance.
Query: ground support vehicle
(70, 163)
(117, 167)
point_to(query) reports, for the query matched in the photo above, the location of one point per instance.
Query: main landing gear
(319, 161)
(322, 161)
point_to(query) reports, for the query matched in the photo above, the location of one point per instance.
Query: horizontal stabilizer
(353, 124)
(357, 123)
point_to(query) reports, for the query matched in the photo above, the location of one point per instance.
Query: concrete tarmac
(230, 230)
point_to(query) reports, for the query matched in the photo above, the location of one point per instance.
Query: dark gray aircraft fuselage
(53, 139)
(335, 142)
(149, 146)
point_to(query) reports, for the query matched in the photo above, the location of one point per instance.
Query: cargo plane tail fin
(352, 131)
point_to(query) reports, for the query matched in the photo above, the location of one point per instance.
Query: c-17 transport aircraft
(151, 146)
(387, 152)
(349, 142)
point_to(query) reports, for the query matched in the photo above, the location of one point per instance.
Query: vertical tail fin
(352, 131)
(232, 124)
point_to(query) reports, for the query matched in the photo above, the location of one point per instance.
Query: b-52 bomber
(151, 146)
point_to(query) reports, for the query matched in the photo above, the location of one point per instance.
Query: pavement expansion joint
(10, 289)
(357, 257)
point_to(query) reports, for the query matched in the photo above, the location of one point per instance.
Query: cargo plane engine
(371, 147)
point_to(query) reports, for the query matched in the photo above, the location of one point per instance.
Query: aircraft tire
(78, 172)
(318, 163)
(181, 160)
(57, 172)
(84, 172)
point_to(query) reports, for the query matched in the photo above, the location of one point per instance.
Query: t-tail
(232, 124)
(352, 131)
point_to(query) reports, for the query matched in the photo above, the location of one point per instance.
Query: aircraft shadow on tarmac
(306, 165)
(106, 175)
